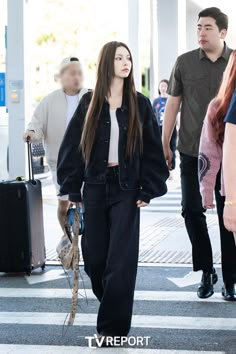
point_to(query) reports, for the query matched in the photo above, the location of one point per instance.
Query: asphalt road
(32, 311)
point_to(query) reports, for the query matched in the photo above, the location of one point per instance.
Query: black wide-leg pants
(110, 246)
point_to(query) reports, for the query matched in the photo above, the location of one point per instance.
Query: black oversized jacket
(147, 173)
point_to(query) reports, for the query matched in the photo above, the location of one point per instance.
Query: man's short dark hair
(221, 19)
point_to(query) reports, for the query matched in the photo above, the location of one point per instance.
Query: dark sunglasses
(74, 59)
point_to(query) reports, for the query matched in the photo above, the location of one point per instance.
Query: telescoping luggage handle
(30, 159)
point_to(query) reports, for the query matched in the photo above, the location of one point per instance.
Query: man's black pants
(195, 222)
(110, 247)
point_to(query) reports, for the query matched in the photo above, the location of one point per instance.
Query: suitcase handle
(30, 159)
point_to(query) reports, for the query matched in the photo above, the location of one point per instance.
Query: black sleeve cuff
(75, 197)
(144, 197)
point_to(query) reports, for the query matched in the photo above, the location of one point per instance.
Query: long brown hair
(223, 98)
(105, 74)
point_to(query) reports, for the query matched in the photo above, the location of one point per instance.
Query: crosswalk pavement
(32, 317)
(170, 203)
(29, 349)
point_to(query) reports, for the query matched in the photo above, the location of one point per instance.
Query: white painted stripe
(53, 349)
(188, 279)
(168, 265)
(171, 265)
(51, 274)
(186, 296)
(146, 264)
(140, 264)
(170, 207)
(167, 201)
(162, 208)
(139, 321)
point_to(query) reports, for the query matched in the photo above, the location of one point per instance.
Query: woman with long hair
(113, 146)
(210, 171)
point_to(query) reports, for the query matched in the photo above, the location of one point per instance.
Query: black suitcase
(22, 244)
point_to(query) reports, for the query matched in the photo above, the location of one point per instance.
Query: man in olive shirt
(194, 82)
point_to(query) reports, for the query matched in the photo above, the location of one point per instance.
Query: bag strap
(30, 159)
(75, 267)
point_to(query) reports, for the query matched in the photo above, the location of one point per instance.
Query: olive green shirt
(196, 79)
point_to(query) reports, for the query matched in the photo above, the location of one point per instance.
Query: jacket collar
(124, 103)
(225, 55)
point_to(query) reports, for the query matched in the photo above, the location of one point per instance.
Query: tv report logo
(98, 341)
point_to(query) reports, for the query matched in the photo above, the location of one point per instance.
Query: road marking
(139, 321)
(53, 274)
(142, 264)
(191, 278)
(53, 349)
(184, 296)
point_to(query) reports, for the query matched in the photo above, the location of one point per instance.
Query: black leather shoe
(206, 287)
(229, 292)
(214, 276)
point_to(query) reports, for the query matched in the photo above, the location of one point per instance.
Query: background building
(41, 33)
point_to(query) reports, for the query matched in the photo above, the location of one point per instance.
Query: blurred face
(163, 88)
(122, 64)
(209, 35)
(72, 77)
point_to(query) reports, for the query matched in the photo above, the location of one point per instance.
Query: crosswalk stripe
(139, 321)
(169, 203)
(167, 200)
(161, 209)
(186, 296)
(169, 208)
(53, 349)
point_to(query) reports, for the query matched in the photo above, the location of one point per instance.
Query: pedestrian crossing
(32, 318)
(29, 349)
(170, 203)
(138, 321)
(138, 296)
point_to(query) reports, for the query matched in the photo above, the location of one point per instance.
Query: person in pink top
(210, 172)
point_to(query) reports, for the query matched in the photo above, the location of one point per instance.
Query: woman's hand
(71, 204)
(230, 217)
(209, 206)
(207, 200)
(141, 204)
